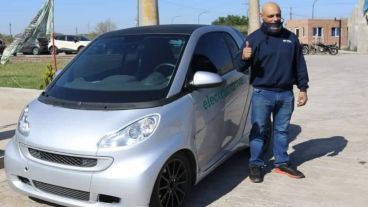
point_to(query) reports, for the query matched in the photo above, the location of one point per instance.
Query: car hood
(74, 131)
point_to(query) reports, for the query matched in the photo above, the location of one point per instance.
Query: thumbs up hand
(247, 51)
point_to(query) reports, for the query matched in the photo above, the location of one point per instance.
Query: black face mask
(273, 28)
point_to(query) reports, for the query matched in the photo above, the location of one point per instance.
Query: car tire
(35, 51)
(80, 49)
(173, 183)
(51, 49)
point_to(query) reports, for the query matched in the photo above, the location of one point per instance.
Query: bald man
(275, 57)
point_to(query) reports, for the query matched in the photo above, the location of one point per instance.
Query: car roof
(158, 29)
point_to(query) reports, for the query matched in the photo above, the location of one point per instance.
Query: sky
(82, 16)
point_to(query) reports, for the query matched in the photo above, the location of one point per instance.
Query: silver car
(136, 119)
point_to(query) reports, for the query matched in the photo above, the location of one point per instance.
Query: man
(277, 63)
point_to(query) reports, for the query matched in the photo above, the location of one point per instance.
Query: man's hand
(247, 51)
(302, 98)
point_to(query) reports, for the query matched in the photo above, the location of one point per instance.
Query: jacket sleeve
(301, 69)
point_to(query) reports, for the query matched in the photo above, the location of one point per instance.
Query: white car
(136, 119)
(68, 44)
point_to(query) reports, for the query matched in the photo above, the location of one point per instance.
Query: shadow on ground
(232, 172)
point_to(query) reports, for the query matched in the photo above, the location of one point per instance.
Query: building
(358, 28)
(326, 31)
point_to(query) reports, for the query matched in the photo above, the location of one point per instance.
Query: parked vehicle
(136, 119)
(305, 48)
(2, 46)
(68, 43)
(324, 49)
(40, 46)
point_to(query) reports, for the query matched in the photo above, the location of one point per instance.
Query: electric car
(135, 119)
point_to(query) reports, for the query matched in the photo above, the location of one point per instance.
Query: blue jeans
(264, 104)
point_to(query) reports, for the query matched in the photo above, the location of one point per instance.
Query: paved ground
(328, 142)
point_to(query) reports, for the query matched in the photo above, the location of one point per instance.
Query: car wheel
(80, 49)
(35, 51)
(51, 49)
(173, 183)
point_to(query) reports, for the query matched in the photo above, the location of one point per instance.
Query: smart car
(136, 119)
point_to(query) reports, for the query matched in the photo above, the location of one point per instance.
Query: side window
(234, 49)
(70, 38)
(212, 54)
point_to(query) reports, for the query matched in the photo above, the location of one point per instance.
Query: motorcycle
(323, 49)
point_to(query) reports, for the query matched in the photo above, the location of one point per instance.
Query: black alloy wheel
(173, 183)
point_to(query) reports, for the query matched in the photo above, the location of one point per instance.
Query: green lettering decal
(222, 93)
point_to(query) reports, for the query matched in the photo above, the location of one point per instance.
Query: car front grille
(63, 159)
(61, 191)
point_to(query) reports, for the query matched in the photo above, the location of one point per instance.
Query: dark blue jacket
(277, 61)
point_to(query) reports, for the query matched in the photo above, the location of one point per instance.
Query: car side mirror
(204, 79)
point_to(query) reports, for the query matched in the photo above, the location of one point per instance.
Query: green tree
(236, 21)
(105, 26)
(6, 38)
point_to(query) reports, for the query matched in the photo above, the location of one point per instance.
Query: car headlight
(134, 133)
(23, 123)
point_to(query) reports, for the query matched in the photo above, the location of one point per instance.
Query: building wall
(358, 30)
(326, 25)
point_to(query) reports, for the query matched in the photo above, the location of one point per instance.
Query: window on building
(303, 32)
(335, 32)
(317, 31)
(297, 32)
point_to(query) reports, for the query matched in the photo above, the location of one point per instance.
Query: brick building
(326, 31)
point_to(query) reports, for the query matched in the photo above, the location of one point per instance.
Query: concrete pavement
(329, 142)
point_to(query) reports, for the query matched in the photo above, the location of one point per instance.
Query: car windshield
(131, 68)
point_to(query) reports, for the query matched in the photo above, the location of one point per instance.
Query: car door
(236, 93)
(210, 104)
(71, 43)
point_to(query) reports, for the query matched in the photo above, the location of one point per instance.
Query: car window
(70, 38)
(131, 68)
(212, 55)
(234, 49)
(61, 37)
(83, 38)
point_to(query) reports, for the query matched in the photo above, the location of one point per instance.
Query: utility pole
(148, 12)
(314, 2)
(291, 13)
(10, 31)
(253, 11)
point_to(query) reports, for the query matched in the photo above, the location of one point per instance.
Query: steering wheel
(165, 68)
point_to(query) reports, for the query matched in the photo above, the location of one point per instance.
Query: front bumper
(128, 182)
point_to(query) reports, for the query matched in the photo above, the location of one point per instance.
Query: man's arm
(302, 76)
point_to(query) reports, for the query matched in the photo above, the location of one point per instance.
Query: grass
(24, 75)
